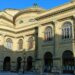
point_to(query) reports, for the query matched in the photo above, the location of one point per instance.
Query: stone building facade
(38, 39)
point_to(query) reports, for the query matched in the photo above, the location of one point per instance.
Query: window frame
(67, 30)
(30, 42)
(48, 33)
(9, 43)
(20, 44)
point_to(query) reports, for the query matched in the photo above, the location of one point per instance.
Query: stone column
(73, 34)
(1, 39)
(14, 54)
(1, 51)
(56, 58)
(25, 48)
(15, 44)
(40, 52)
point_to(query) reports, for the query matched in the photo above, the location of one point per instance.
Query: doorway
(6, 64)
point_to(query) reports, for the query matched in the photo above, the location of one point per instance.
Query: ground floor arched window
(19, 59)
(29, 63)
(68, 62)
(48, 62)
(6, 64)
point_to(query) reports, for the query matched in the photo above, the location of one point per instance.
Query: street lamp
(23, 60)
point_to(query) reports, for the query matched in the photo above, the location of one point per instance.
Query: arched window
(48, 34)
(9, 43)
(29, 63)
(67, 30)
(19, 60)
(48, 62)
(7, 64)
(20, 44)
(68, 62)
(30, 42)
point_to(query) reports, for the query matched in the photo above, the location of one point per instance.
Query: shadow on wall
(28, 58)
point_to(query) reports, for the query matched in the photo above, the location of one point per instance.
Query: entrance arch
(29, 63)
(19, 59)
(6, 64)
(68, 62)
(48, 62)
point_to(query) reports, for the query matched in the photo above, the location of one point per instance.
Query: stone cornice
(55, 12)
(29, 29)
(39, 17)
(23, 12)
(14, 36)
(1, 29)
(50, 22)
(65, 18)
(6, 19)
(30, 34)
(6, 35)
(20, 37)
(9, 36)
(16, 32)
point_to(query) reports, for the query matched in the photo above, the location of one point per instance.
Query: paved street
(20, 73)
(28, 73)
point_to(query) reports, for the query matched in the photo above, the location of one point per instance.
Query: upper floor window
(48, 34)
(9, 43)
(30, 42)
(67, 30)
(20, 44)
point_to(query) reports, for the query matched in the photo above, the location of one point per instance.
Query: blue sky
(21, 4)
